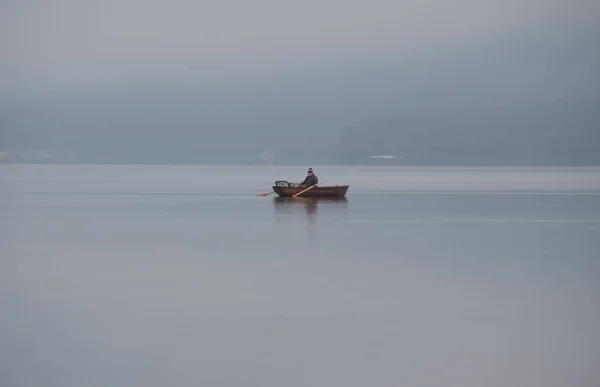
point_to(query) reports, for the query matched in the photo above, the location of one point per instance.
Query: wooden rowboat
(285, 189)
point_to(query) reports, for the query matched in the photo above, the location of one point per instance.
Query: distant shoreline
(319, 165)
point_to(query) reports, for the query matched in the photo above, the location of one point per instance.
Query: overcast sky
(238, 77)
(82, 45)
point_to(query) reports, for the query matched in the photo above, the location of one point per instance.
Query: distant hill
(531, 102)
(538, 135)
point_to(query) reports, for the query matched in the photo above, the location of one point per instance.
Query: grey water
(183, 276)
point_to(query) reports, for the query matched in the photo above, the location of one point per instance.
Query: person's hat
(310, 170)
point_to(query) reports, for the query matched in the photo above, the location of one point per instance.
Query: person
(310, 180)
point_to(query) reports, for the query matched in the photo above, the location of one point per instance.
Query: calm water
(182, 276)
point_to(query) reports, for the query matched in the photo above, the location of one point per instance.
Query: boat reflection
(309, 205)
(287, 210)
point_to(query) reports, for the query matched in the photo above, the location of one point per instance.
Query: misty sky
(273, 73)
(81, 46)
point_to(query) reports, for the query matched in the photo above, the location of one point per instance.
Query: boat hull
(337, 191)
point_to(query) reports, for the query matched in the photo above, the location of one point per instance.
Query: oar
(301, 192)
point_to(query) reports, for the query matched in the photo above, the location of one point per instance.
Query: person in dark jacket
(311, 179)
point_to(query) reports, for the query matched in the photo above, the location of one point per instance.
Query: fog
(146, 275)
(222, 82)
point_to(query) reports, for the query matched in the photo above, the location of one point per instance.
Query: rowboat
(286, 189)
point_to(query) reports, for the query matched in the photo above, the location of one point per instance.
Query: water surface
(182, 275)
